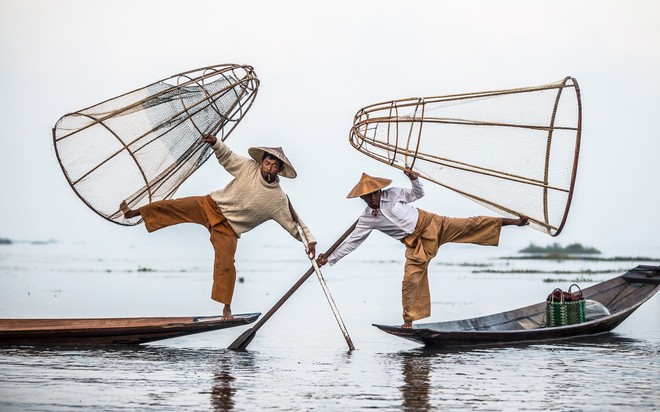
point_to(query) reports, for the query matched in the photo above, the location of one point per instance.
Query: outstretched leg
(164, 213)
(479, 230)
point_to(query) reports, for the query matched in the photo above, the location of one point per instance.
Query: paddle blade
(243, 341)
(514, 151)
(141, 146)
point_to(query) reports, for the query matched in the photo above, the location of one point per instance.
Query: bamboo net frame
(139, 147)
(514, 151)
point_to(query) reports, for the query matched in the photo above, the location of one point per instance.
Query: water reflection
(222, 391)
(545, 374)
(416, 383)
(535, 377)
(229, 365)
(612, 340)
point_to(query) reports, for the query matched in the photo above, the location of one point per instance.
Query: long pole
(324, 285)
(319, 275)
(246, 337)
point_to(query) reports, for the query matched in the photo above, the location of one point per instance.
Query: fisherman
(391, 212)
(253, 197)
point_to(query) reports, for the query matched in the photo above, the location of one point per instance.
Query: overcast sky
(318, 64)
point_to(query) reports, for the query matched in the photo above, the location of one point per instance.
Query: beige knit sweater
(248, 200)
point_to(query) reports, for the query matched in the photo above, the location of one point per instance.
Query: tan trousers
(204, 211)
(422, 245)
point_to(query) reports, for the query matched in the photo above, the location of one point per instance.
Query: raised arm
(227, 159)
(417, 190)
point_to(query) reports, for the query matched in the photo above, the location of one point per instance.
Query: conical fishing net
(139, 147)
(514, 151)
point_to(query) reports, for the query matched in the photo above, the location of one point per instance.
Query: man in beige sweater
(250, 199)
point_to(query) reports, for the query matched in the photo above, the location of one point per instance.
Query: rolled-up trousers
(422, 245)
(204, 211)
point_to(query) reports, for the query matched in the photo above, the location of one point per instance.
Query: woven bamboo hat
(368, 184)
(257, 153)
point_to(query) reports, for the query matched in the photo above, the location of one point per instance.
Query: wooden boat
(111, 331)
(621, 296)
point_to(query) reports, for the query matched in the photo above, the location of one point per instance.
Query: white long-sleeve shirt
(396, 218)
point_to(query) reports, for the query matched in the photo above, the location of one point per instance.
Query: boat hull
(621, 295)
(111, 331)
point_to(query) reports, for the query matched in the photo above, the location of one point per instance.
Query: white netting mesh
(514, 151)
(140, 146)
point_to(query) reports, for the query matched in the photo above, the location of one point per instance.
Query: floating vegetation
(560, 256)
(555, 272)
(470, 265)
(7, 241)
(576, 280)
(141, 269)
(438, 262)
(43, 242)
(556, 248)
(383, 261)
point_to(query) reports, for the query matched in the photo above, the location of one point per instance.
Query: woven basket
(565, 308)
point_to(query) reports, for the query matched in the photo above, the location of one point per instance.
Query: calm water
(299, 359)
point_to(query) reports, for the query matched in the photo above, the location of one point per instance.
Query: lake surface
(299, 359)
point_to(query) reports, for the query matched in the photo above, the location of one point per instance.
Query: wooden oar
(244, 340)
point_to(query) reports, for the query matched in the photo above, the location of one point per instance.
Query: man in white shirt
(390, 211)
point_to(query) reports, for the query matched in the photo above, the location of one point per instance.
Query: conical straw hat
(368, 184)
(257, 154)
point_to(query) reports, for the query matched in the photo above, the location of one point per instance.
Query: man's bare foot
(226, 312)
(522, 221)
(407, 325)
(128, 213)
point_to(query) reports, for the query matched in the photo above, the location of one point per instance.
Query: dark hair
(270, 156)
